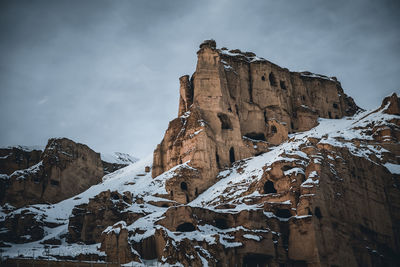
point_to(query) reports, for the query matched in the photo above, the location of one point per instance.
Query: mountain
(262, 167)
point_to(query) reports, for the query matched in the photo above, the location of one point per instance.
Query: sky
(105, 73)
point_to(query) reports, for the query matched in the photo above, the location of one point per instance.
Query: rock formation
(263, 167)
(235, 106)
(66, 169)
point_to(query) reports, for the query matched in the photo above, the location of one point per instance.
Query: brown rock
(66, 169)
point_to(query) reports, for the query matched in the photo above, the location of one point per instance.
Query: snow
(236, 186)
(118, 158)
(393, 168)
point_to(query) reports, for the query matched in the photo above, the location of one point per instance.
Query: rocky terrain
(262, 167)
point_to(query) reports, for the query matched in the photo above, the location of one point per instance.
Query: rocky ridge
(323, 192)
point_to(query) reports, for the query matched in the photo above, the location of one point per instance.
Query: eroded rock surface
(230, 187)
(66, 168)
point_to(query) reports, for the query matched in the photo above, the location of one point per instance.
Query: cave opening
(330, 115)
(225, 121)
(184, 186)
(114, 196)
(317, 212)
(221, 223)
(232, 155)
(283, 213)
(186, 227)
(217, 160)
(263, 78)
(273, 129)
(272, 80)
(283, 85)
(256, 136)
(269, 188)
(335, 105)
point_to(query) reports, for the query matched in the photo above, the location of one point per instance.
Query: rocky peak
(236, 105)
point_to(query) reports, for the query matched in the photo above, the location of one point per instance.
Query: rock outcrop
(66, 168)
(235, 106)
(260, 169)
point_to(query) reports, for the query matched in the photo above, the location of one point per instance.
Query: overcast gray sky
(105, 73)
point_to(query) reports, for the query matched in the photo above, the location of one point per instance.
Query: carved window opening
(186, 227)
(187, 199)
(317, 212)
(225, 122)
(283, 85)
(272, 79)
(256, 136)
(335, 106)
(309, 212)
(217, 160)
(283, 213)
(269, 188)
(291, 125)
(263, 78)
(172, 193)
(196, 192)
(232, 155)
(229, 109)
(273, 129)
(221, 223)
(330, 115)
(54, 182)
(184, 186)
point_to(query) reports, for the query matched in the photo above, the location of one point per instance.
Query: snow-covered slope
(118, 158)
(237, 190)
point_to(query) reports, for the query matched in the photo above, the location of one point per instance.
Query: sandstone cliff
(65, 169)
(251, 174)
(235, 106)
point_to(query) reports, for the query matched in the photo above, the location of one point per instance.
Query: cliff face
(235, 106)
(261, 168)
(65, 169)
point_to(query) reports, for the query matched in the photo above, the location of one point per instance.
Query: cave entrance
(256, 260)
(225, 121)
(269, 188)
(221, 223)
(317, 212)
(272, 80)
(273, 129)
(256, 136)
(283, 213)
(184, 186)
(186, 227)
(232, 155)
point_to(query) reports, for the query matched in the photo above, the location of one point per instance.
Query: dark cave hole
(232, 155)
(283, 213)
(184, 186)
(272, 79)
(273, 129)
(283, 85)
(225, 121)
(317, 212)
(269, 188)
(186, 227)
(221, 223)
(256, 136)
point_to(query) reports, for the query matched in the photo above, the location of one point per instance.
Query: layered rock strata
(235, 106)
